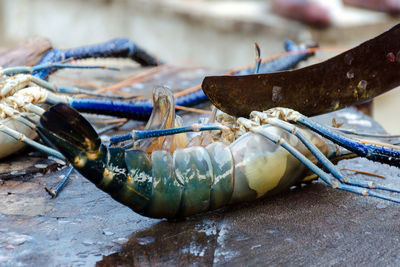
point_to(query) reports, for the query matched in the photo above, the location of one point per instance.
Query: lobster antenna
(258, 58)
(29, 70)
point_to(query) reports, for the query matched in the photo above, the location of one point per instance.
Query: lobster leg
(53, 192)
(318, 154)
(120, 47)
(21, 137)
(298, 54)
(141, 110)
(137, 135)
(359, 190)
(45, 66)
(384, 153)
(47, 150)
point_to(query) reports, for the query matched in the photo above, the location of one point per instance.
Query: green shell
(139, 184)
(167, 192)
(193, 170)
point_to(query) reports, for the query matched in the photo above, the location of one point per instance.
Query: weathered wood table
(309, 225)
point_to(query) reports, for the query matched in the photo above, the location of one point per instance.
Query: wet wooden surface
(28, 52)
(309, 225)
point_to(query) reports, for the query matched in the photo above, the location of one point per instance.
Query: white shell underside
(8, 144)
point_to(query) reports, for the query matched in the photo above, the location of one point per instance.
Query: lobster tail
(71, 134)
(69, 125)
(75, 138)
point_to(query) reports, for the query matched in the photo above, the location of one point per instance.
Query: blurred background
(216, 34)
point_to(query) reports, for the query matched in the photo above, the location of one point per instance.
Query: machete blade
(352, 77)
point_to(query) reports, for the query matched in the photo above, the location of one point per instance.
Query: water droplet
(330, 245)
(40, 166)
(381, 205)
(348, 58)
(390, 57)
(289, 239)
(339, 235)
(96, 253)
(350, 74)
(88, 243)
(362, 85)
(277, 94)
(17, 239)
(120, 241)
(145, 240)
(83, 255)
(107, 232)
(4, 258)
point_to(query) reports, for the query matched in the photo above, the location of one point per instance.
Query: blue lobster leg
(258, 58)
(322, 158)
(299, 53)
(141, 110)
(136, 135)
(356, 133)
(138, 110)
(376, 152)
(120, 47)
(359, 190)
(45, 66)
(53, 192)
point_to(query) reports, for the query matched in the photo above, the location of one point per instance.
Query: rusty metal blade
(352, 77)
